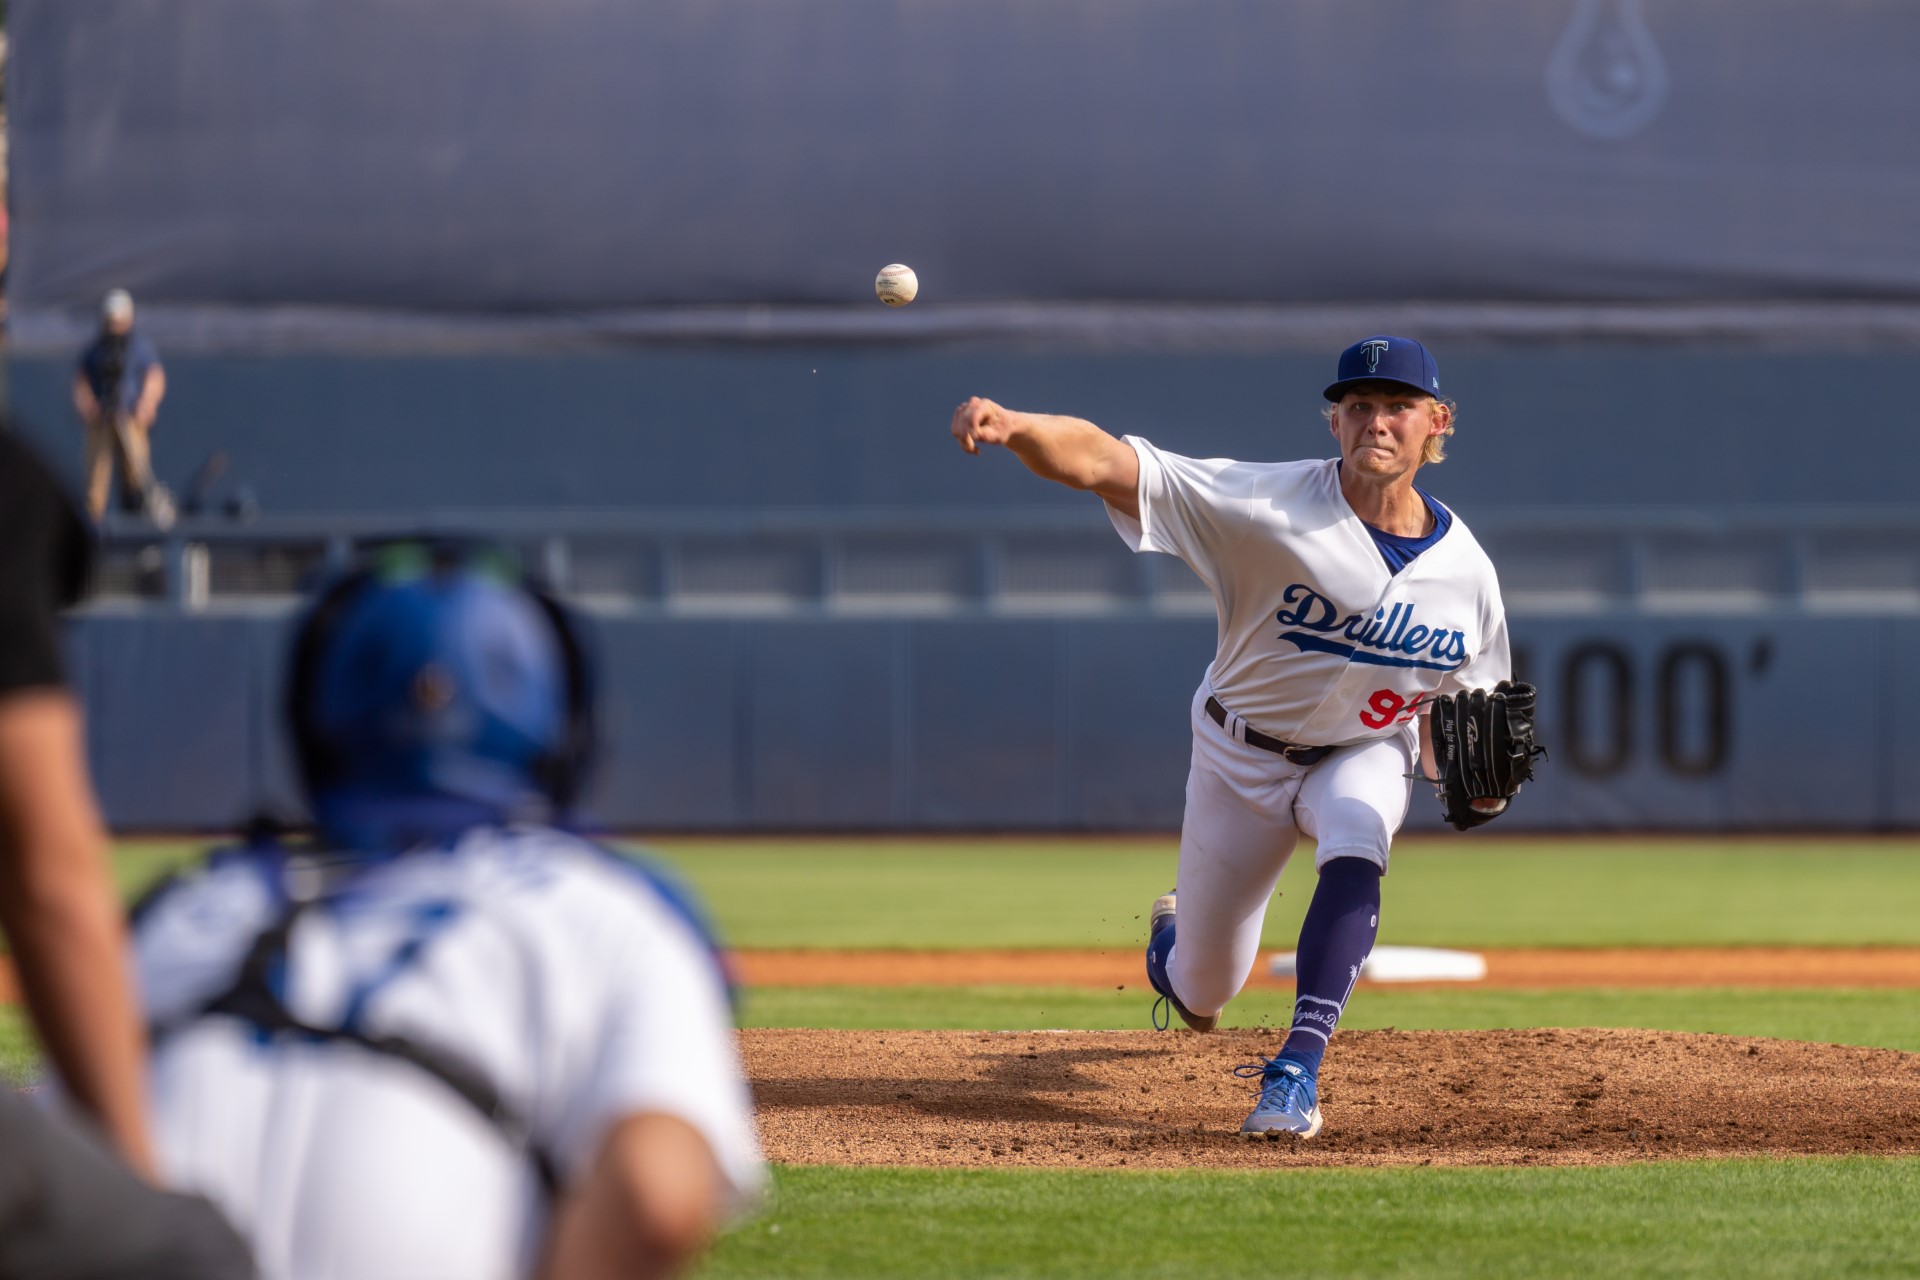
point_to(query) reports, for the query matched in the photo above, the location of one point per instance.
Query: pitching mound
(1137, 1098)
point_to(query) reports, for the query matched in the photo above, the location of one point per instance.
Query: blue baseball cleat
(1289, 1100)
(1159, 947)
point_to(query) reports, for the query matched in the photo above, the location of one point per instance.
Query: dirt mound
(1136, 1098)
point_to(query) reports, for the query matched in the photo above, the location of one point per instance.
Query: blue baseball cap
(1383, 358)
(450, 684)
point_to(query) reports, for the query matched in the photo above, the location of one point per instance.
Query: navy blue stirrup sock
(1342, 921)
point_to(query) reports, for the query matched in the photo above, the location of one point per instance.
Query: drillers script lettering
(1375, 639)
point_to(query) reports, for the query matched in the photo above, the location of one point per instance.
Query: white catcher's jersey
(1320, 643)
(570, 980)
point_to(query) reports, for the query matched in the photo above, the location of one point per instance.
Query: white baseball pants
(1246, 808)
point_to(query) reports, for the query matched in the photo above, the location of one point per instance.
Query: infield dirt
(1145, 1099)
(1506, 967)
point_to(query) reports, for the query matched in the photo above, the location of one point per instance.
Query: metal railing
(910, 562)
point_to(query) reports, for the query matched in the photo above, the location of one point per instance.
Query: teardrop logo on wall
(1606, 77)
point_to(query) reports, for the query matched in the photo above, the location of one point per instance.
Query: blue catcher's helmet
(437, 680)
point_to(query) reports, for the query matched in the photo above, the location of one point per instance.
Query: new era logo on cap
(1385, 358)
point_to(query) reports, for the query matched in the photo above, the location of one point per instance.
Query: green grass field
(1709, 1218)
(1752, 1218)
(1439, 892)
(1797, 1218)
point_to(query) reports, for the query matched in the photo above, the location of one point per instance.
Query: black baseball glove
(1483, 749)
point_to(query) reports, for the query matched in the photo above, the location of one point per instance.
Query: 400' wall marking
(1602, 691)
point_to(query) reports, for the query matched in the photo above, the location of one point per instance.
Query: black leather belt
(1254, 738)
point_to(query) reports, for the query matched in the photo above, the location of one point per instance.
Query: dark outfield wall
(502, 155)
(848, 426)
(1695, 723)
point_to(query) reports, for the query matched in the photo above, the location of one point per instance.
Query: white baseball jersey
(1319, 643)
(576, 987)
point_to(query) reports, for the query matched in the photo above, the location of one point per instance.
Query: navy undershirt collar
(1397, 549)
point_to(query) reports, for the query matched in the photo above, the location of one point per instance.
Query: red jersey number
(1384, 707)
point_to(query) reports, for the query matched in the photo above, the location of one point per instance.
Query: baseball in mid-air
(896, 285)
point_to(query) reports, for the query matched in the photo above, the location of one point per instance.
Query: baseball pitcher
(1361, 633)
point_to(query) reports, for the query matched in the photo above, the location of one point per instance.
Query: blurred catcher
(449, 1038)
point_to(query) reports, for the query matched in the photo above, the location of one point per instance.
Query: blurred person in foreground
(117, 390)
(448, 1038)
(72, 1199)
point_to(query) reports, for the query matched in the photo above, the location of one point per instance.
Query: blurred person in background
(117, 390)
(446, 1038)
(72, 1199)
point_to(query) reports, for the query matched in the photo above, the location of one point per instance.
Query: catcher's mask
(437, 670)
